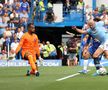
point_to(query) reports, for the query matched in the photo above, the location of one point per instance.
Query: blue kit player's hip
(94, 47)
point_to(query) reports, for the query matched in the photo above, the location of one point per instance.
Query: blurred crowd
(14, 16)
(13, 24)
(44, 12)
(100, 13)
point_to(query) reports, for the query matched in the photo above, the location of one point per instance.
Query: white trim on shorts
(104, 45)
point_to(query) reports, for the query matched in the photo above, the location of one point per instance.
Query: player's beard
(33, 32)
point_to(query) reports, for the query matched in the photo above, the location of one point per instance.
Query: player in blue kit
(88, 52)
(88, 48)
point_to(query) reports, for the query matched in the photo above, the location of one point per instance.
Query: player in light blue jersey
(100, 33)
(97, 30)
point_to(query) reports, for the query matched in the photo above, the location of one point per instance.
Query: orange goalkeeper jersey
(29, 43)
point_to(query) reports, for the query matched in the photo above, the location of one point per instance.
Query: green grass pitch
(13, 78)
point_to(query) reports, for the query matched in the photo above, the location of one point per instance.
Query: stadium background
(44, 31)
(13, 78)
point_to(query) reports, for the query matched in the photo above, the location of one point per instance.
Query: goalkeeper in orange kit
(30, 49)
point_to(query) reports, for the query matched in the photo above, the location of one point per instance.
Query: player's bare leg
(97, 53)
(106, 54)
(85, 55)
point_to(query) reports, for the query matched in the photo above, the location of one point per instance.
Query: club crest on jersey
(34, 39)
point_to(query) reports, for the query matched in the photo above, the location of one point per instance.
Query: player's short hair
(90, 22)
(97, 19)
(29, 25)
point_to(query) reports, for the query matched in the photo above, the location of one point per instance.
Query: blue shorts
(93, 48)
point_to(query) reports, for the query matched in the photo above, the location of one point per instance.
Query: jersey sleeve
(100, 23)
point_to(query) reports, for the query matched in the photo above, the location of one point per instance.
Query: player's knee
(106, 56)
(86, 55)
(95, 56)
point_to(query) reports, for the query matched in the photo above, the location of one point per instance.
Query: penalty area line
(70, 76)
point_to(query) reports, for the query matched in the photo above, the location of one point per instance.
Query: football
(102, 71)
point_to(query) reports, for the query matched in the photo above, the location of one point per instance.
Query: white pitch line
(73, 75)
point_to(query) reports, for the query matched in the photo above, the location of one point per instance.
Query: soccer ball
(102, 71)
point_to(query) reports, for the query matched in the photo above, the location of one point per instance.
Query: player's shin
(32, 64)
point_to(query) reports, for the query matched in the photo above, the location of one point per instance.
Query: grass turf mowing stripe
(73, 75)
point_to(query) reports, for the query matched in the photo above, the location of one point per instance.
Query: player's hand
(74, 27)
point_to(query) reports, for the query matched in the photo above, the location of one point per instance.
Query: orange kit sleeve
(20, 44)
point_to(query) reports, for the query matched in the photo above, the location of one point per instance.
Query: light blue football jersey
(99, 32)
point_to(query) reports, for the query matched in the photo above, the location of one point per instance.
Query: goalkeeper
(30, 48)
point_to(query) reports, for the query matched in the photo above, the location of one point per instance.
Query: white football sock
(85, 64)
